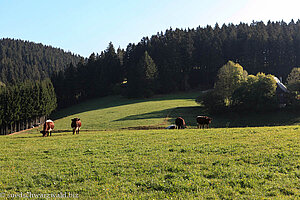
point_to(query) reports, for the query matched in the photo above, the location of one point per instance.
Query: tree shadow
(189, 114)
(114, 101)
(251, 119)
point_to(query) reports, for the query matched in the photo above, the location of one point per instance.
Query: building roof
(280, 85)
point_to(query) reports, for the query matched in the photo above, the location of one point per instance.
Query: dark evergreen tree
(141, 78)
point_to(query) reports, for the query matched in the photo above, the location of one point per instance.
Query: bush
(235, 90)
(293, 79)
(257, 93)
(213, 101)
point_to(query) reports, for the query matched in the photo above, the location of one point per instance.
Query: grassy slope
(250, 163)
(116, 112)
(216, 163)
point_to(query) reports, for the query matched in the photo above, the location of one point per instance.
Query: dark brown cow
(180, 123)
(48, 128)
(203, 120)
(76, 124)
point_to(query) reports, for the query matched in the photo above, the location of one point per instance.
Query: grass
(116, 112)
(109, 161)
(237, 163)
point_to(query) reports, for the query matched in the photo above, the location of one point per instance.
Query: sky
(86, 26)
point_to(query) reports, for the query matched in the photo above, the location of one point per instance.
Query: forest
(23, 60)
(180, 60)
(170, 61)
(25, 104)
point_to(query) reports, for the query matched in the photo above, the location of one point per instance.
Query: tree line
(24, 104)
(180, 60)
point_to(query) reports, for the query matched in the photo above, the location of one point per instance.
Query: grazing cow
(180, 124)
(203, 120)
(48, 127)
(76, 124)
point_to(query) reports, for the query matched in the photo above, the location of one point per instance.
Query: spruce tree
(141, 79)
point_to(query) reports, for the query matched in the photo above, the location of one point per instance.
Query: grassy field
(108, 160)
(222, 163)
(116, 112)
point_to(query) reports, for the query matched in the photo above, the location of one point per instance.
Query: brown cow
(180, 123)
(76, 124)
(48, 127)
(203, 120)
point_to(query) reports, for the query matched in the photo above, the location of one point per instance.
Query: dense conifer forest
(24, 104)
(26, 92)
(22, 60)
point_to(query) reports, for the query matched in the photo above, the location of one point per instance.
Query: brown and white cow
(180, 123)
(48, 128)
(203, 120)
(76, 124)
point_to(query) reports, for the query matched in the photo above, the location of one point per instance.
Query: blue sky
(86, 26)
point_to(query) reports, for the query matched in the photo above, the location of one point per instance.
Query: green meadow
(116, 112)
(113, 159)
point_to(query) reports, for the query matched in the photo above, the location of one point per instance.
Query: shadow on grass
(114, 101)
(277, 118)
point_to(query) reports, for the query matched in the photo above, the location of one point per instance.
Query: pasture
(249, 163)
(112, 159)
(116, 112)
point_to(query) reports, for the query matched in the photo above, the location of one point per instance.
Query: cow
(76, 124)
(180, 124)
(203, 120)
(48, 128)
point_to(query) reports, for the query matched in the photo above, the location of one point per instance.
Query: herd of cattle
(202, 121)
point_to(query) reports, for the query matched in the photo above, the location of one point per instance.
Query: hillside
(21, 60)
(116, 112)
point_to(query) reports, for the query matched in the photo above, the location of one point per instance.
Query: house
(281, 93)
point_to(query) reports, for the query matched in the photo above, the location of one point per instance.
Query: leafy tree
(229, 78)
(257, 93)
(293, 79)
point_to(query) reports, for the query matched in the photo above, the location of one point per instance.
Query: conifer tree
(141, 78)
